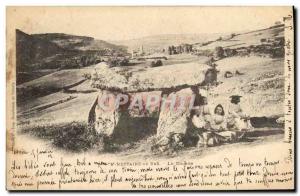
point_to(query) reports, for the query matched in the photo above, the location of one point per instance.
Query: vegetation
(183, 48)
(39, 52)
(79, 136)
(74, 136)
(219, 52)
(156, 63)
(118, 62)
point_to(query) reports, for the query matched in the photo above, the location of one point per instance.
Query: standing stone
(108, 117)
(175, 120)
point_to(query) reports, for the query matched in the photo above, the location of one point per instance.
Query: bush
(277, 52)
(156, 63)
(112, 62)
(116, 62)
(124, 62)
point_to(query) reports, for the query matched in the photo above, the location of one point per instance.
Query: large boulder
(105, 119)
(165, 78)
(175, 119)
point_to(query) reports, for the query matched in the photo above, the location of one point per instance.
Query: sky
(123, 23)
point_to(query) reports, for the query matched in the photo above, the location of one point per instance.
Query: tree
(170, 50)
(159, 63)
(190, 48)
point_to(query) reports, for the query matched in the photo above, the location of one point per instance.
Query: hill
(74, 42)
(41, 54)
(159, 42)
(31, 49)
(245, 39)
(236, 40)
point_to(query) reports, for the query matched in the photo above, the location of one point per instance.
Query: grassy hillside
(74, 42)
(39, 52)
(31, 49)
(51, 83)
(264, 41)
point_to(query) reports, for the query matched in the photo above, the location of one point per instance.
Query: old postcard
(150, 98)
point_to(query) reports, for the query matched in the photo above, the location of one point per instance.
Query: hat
(235, 96)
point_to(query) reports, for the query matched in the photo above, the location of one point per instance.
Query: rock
(120, 121)
(106, 118)
(228, 74)
(153, 79)
(162, 80)
(174, 120)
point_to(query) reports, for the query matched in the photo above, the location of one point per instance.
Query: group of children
(208, 128)
(215, 128)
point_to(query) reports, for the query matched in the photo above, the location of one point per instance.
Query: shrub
(116, 62)
(156, 63)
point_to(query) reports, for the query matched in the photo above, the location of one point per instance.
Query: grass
(51, 83)
(74, 136)
(79, 137)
